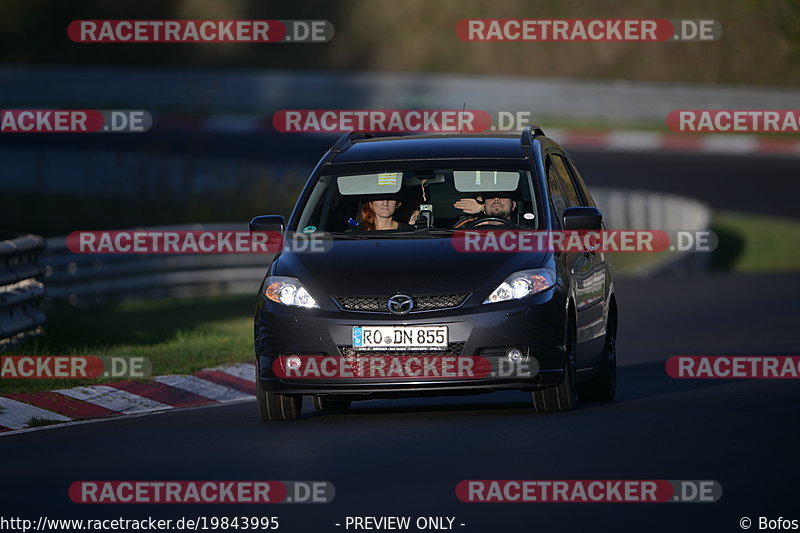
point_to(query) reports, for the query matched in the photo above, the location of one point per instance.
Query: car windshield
(417, 201)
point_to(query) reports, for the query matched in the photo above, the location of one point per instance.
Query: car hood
(380, 267)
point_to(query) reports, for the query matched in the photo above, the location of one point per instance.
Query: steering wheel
(482, 221)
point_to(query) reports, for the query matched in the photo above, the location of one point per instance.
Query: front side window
(581, 184)
(568, 187)
(556, 196)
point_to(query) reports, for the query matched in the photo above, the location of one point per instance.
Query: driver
(496, 204)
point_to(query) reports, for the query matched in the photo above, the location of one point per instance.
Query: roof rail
(344, 142)
(529, 134)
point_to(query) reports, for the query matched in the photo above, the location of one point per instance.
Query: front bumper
(535, 325)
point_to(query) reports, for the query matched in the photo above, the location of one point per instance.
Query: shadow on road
(635, 383)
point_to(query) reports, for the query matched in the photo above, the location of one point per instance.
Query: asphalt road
(751, 184)
(405, 457)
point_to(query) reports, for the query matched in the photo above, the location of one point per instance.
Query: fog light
(293, 362)
(515, 355)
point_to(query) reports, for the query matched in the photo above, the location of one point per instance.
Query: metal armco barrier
(20, 291)
(634, 210)
(93, 279)
(265, 91)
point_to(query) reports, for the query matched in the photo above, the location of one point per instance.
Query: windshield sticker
(309, 229)
(387, 178)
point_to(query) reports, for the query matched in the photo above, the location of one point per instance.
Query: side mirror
(582, 218)
(268, 223)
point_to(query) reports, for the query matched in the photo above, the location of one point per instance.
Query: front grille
(454, 348)
(372, 304)
(441, 301)
(355, 303)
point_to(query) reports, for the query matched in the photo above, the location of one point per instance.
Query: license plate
(400, 337)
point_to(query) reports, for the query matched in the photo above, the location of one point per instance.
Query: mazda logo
(400, 304)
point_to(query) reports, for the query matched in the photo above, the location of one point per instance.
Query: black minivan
(389, 304)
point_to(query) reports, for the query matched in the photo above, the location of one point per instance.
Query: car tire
(603, 386)
(323, 403)
(278, 407)
(563, 396)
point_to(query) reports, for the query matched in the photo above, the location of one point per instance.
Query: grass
(633, 262)
(756, 243)
(759, 42)
(747, 243)
(36, 422)
(178, 336)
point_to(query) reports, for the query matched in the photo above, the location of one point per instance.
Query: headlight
(521, 284)
(288, 291)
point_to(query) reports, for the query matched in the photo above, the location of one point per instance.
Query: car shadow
(635, 382)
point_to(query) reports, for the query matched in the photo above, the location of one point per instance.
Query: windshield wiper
(436, 231)
(346, 235)
(423, 232)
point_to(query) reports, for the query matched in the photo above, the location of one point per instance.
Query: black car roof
(416, 147)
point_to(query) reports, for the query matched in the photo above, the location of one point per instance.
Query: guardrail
(91, 279)
(20, 291)
(626, 209)
(265, 91)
